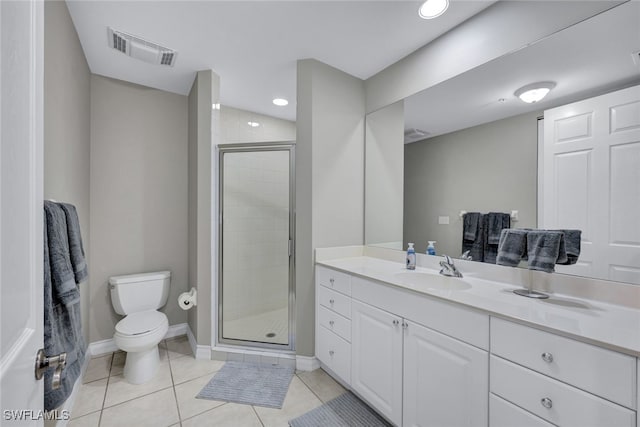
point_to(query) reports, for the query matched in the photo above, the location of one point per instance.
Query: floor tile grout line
(173, 386)
(310, 389)
(204, 412)
(257, 415)
(104, 398)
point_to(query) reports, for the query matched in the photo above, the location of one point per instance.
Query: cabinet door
(446, 382)
(376, 359)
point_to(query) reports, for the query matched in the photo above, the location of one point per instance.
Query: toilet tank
(139, 292)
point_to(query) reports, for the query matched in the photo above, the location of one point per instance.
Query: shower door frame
(247, 148)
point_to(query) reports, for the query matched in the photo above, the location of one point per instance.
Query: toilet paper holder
(186, 300)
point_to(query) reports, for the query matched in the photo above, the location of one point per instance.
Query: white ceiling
(587, 59)
(254, 45)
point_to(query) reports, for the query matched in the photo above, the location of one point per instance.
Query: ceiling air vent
(141, 49)
(413, 135)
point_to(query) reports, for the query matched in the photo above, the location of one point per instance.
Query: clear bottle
(431, 250)
(411, 257)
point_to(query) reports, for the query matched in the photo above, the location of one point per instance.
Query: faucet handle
(448, 259)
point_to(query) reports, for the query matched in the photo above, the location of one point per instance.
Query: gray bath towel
(545, 248)
(494, 223)
(473, 235)
(512, 247)
(76, 251)
(572, 240)
(62, 326)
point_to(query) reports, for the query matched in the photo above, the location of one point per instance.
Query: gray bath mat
(345, 410)
(249, 383)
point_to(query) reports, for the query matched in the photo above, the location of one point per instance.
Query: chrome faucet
(448, 268)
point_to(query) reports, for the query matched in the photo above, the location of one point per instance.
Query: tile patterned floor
(106, 399)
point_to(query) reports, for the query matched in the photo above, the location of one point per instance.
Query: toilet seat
(141, 324)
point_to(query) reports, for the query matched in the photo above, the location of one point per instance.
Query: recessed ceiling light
(253, 124)
(534, 92)
(280, 102)
(433, 8)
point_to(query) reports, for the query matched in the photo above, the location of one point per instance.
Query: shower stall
(256, 293)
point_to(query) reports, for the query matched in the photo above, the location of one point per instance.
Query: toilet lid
(141, 323)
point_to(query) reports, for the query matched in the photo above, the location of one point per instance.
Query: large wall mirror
(469, 144)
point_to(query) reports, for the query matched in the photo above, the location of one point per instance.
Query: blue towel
(494, 223)
(76, 251)
(545, 248)
(62, 324)
(512, 247)
(473, 235)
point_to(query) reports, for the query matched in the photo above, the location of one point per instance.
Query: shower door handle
(290, 247)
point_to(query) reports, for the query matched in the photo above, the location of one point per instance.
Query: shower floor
(260, 327)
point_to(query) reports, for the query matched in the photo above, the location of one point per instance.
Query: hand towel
(473, 235)
(512, 247)
(544, 249)
(62, 277)
(76, 250)
(494, 223)
(572, 240)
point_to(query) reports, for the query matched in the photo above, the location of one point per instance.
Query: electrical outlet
(443, 220)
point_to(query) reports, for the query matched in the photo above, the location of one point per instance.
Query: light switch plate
(443, 220)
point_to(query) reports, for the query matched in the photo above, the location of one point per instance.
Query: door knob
(44, 362)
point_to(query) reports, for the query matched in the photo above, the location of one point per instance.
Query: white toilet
(138, 296)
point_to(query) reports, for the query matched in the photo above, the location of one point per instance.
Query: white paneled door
(591, 181)
(21, 312)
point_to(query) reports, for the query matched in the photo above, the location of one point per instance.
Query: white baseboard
(199, 351)
(306, 363)
(109, 346)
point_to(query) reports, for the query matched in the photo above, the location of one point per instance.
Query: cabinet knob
(405, 325)
(331, 301)
(547, 357)
(546, 402)
(331, 322)
(330, 352)
(396, 322)
(331, 281)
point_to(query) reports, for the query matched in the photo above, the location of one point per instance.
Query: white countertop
(612, 326)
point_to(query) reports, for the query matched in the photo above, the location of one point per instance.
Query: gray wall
(329, 177)
(203, 133)
(384, 176)
(502, 28)
(491, 167)
(138, 183)
(67, 124)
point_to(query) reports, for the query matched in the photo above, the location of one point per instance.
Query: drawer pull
(331, 352)
(331, 301)
(546, 402)
(331, 322)
(547, 357)
(331, 281)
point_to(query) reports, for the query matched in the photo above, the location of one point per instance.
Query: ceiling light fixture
(280, 102)
(253, 124)
(433, 8)
(534, 92)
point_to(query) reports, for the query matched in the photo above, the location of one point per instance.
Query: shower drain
(271, 335)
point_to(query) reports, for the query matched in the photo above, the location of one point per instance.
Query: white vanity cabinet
(411, 374)
(376, 359)
(333, 322)
(445, 380)
(560, 380)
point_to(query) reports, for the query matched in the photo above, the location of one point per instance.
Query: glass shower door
(256, 231)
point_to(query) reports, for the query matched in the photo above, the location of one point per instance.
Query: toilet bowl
(138, 297)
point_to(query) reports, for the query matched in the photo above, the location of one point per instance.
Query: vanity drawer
(335, 353)
(335, 301)
(505, 414)
(553, 400)
(334, 322)
(597, 370)
(333, 279)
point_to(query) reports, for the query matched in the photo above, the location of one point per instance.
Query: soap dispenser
(431, 250)
(411, 257)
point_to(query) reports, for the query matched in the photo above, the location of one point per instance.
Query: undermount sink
(432, 281)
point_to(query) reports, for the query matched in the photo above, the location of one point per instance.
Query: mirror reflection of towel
(473, 235)
(494, 222)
